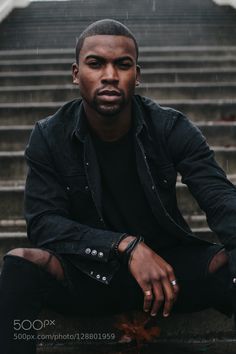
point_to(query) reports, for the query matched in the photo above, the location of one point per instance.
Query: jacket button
(153, 187)
(88, 251)
(86, 163)
(165, 181)
(101, 219)
(98, 276)
(94, 252)
(91, 272)
(67, 188)
(100, 254)
(104, 278)
(234, 280)
(86, 188)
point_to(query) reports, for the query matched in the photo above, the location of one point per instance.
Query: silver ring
(174, 282)
(148, 292)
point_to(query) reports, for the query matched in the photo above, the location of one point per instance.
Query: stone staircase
(155, 22)
(196, 74)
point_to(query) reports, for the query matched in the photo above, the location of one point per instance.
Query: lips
(109, 93)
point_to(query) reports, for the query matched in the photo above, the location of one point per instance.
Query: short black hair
(104, 27)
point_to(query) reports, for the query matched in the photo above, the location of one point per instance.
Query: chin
(108, 111)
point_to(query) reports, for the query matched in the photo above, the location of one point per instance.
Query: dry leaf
(138, 327)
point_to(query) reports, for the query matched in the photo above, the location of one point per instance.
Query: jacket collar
(81, 129)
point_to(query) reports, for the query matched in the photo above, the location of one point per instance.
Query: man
(101, 208)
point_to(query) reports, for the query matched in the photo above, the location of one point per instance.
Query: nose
(110, 74)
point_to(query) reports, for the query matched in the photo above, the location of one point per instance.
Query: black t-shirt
(125, 206)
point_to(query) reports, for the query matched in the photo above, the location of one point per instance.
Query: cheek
(130, 84)
(86, 86)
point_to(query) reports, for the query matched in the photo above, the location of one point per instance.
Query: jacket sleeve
(47, 210)
(207, 182)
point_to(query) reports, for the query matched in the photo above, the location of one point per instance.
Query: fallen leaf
(137, 326)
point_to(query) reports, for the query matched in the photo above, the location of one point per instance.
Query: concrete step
(61, 77)
(15, 239)
(197, 110)
(216, 90)
(11, 200)
(11, 240)
(205, 331)
(42, 93)
(217, 133)
(26, 113)
(13, 165)
(197, 222)
(12, 226)
(14, 138)
(150, 62)
(186, 34)
(198, 22)
(163, 347)
(166, 51)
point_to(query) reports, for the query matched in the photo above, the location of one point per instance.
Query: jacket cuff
(232, 267)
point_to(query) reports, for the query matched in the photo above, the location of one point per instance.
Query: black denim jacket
(63, 196)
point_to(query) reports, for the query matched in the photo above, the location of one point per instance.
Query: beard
(107, 109)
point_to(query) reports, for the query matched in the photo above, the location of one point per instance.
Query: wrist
(124, 243)
(125, 256)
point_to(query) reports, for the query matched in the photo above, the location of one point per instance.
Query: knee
(34, 255)
(42, 258)
(20, 252)
(219, 260)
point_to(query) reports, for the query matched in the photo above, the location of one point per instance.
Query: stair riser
(14, 140)
(144, 51)
(25, 115)
(189, 347)
(200, 35)
(11, 115)
(61, 79)
(8, 244)
(145, 64)
(165, 93)
(156, 93)
(216, 135)
(11, 203)
(14, 167)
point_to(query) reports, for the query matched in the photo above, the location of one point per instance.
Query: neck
(109, 128)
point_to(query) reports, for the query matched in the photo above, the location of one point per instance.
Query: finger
(169, 297)
(158, 297)
(173, 280)
(148, 298)
(175, 285)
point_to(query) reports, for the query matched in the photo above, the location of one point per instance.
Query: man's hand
(154, 275)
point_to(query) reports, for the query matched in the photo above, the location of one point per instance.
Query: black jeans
(25, 289)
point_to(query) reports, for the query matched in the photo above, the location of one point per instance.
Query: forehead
(108, 46)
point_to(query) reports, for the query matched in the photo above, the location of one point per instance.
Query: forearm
(68, 236)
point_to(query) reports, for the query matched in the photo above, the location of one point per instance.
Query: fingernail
(153, 314)
(165, 314)
(146, 310)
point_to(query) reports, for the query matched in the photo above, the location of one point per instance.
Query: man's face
(107, 73)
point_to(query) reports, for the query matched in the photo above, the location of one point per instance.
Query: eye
(94, 64)
(124, 65)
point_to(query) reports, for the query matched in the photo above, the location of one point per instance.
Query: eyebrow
(98, 57)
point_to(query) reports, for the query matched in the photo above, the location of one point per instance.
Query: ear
(138, 75)
(75, 72)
